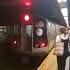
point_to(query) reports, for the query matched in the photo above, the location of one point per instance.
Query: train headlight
(39, 32)
(15, 42)
(41, 43)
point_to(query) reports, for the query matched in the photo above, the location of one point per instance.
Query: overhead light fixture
(64, 11)
(59, 1)
(66, 18)
(67, 23)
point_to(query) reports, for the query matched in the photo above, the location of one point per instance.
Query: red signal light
(26, 18)
(15, 42)
(27, 3)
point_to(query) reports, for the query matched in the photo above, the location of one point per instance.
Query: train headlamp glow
(15, 42)
(39, 32)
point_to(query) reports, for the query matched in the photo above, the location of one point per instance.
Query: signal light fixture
(26, 18)
(41, 43)
(26, 3)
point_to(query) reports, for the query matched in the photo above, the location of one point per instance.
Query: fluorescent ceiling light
(67, 23)
(59, 1)
(66, 18)
(64, 11)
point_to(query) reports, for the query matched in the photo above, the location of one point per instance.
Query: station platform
(50, 62)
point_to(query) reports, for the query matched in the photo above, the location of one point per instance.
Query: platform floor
(50, 63)
(67, 63)
(11, 63)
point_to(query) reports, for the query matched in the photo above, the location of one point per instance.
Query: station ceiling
(9, 11)
(49, 9)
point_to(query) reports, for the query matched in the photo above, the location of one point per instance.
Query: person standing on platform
(62, 37)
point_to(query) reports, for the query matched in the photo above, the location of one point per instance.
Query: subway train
(32, 39)
(28, 40)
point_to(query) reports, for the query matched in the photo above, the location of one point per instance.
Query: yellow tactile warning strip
(50, 45)
(50, 62)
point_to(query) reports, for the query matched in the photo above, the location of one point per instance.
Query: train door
(39, 33)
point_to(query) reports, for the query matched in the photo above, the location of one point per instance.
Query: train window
(39, 32)
(3, 32)
(29, 30)
(51, 28)
(57, 29)
(17, 29)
